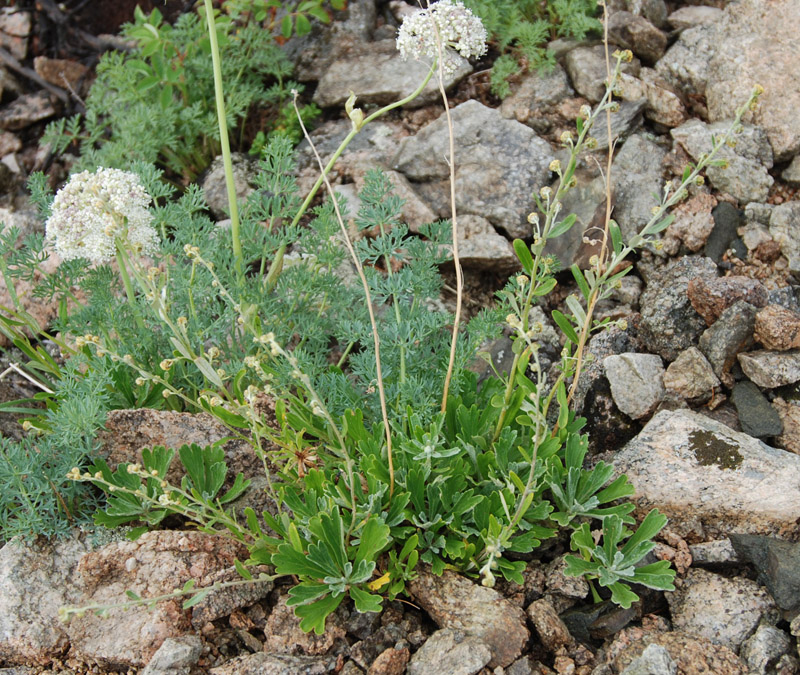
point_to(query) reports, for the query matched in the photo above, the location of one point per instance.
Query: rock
(62, 73)
(483, 248)
(378, 74)
(390, 662)
(276, 664)
(636, 178)
(757, 46)
(560, 583)
(586, 67)
(701, 474)
(450, 651)
(623, 123)
(552, 632)
(669, 323)
(784, 226)
(694, 655)
(284, 635)
(791, 174)
(688, 17)
(455, 602)
(711, 297)
(636, 382)
(724, 610)
(15, 29)
(789, 413)
(215, 190)
(498, 163)
(691, 376)
(764, 648)
(685, 64)
(587, 201)
(663, 105)
(727, 220)
(535, 92)
(771, 369)
(175, 656)
(777, 328)
(36, 579)
(9, 143)
(156, 563)
(636, 33)
(655, 660)
(746, 176)
(776, 562)
(692, 226)
(757, 417)
(719, 552)
(26, 110)
(730, 334)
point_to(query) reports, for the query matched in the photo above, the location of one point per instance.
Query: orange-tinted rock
(778, 328)
(711, 297)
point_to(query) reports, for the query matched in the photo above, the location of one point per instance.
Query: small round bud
(555, 166)
(586, 112)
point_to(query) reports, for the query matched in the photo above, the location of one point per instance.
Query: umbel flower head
(94, 211)
(458, 29)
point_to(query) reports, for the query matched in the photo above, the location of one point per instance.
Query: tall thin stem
(224, 142)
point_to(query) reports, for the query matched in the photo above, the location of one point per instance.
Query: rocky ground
(696, 400)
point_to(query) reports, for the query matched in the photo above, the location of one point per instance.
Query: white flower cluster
(95, 210)
(457, 27)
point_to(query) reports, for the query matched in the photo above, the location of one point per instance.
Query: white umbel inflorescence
(458, 29)
(94, 211)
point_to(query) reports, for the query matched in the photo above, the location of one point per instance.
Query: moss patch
(710, 449)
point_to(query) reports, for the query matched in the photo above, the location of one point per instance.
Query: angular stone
(778, 565)
(730, 334)
(175, 656)
(498, 164)
(276, 664)
(727, 220)
(636, 178)
(757, 45)
(155, 564)
(669, 323)
(284, 635)
(450, 651)
(36, 579)
(391, 661)
(26, 110)
(789, 412)
(636, 382)
(692, 226)
(455, 602)
(791, 174)
(378, 74)
(725, 611)
(663, 106)
(756, 416)
(764, 648)
(61, 72)
(481, 247)
(771, 369)
(215, 189)
(624, 122)
(777, 328)
(9, 143)
(685, 64)
(587, 71)
(15, 29)
(636, 33)
(552, 632)
(536, 91)
(688, 17)
(719, 552)
(701, 474)
(655, 660)
(711, 297)
(784, 226)
(691, 376)
(746, 177)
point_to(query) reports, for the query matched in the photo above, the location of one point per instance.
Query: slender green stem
(126, 281)
(224, 142)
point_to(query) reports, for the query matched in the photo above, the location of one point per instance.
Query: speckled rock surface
(636, 382)
(711, 480)
(450, 651)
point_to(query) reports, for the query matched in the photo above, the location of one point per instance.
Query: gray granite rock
(636, 382)
(498, 162)
(26, 110)
(691, 376)
(724, 610)
(669, 323)
(791, 174)
(637, 179)
(276, 664)
(536, 91)
(480, 247)
(778, 565)
(378, 74)
(587, 71)
(456, 602)
(636, 33)
(215, 190)
(688, 17)
(175, 656)
(710, 480)
(450, 651)
(663, 105)
(552, 632)
(713, 553)
(692, 226)
(784, 226)
(685, 64)
(624, 122)
(757, 45)
(727, 220)
(770, 369)
(756, 416)
(764, 648)
(746, 176)
(655, 660)
(730, 334)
